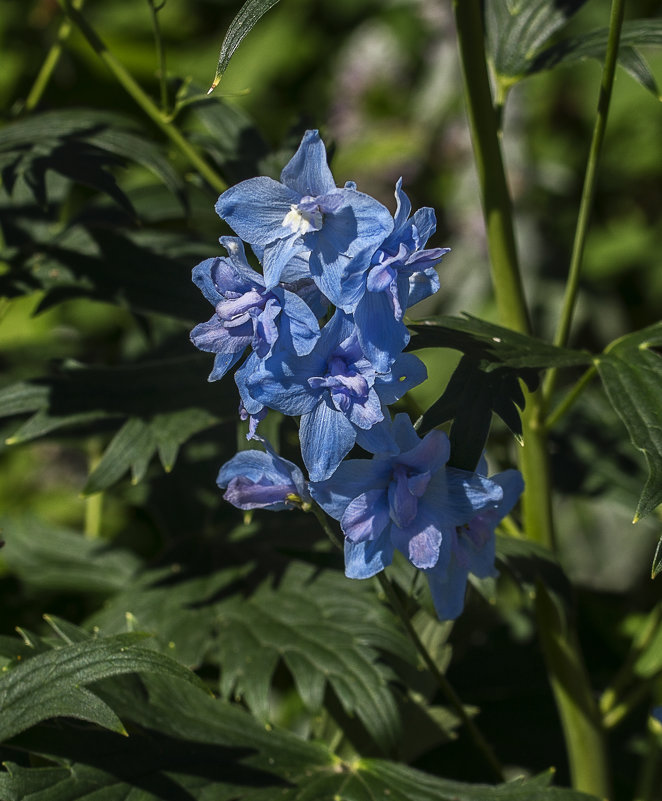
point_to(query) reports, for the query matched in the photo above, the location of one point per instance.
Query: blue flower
(338, 393)
(258, 480)
(401, 273)
(338, 229)
(247, 314)
(442, 519)
(472, 549)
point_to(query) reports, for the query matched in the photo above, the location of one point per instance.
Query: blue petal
(307, 171)
(366, 516)
(222, 363)
(326, 437)
(278, 255)
(281, 383)
(365, 559)
(256, 208)
(213, 337)
(299, 320)
(404, 432)
(241, 376)
(448, 589)
(406, 372)
(420, 541)
(378, 439)
(455, 496)
(382, 337)
(202, 279)
(350, 480)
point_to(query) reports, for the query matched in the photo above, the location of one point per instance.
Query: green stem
(94, 503)
(160, 54)
(50, 62)
(142, 99)
(580, 717)
(498, 211)
(570, 398)
(582, 725)
(588, 191)
(450, 694)
(497, 206)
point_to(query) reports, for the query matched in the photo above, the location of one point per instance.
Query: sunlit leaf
(240, 27)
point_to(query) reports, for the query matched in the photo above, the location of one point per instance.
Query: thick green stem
(580, 717)
(590, 181)
(497, 206)
(142, 99)
(50, 62)
(582, 725)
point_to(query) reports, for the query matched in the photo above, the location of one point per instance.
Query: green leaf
(240, 26)
(491, 344)
(166, 402)
(634, 34)
(52, 684)
(487, 378)
(656, 568)
(517, 29)
(52, 558)
(631, 372)
(80, 145)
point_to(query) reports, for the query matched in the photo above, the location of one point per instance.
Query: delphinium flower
(247, 314)
(441, 518)
(336, 229)
(401, 273)
(337, 392)
(255, 479)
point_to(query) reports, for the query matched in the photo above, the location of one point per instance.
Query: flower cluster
(336, 256)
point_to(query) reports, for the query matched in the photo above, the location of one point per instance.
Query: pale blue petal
(299, 320)
(326, 437)
(382, 337)
(255, 209)
(307, 171)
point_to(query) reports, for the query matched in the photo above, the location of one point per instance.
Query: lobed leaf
(53, 683)
(631, 372)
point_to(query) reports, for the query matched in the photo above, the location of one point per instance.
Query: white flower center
(301, 222)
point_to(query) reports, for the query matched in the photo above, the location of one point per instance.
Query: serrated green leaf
(132, 447)
(239, 28)
(631, 373)
(517, 29)
(492, 344)
(52, 684)
(634, 34)
(53, 558)
(326, 630)
(178, 613)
